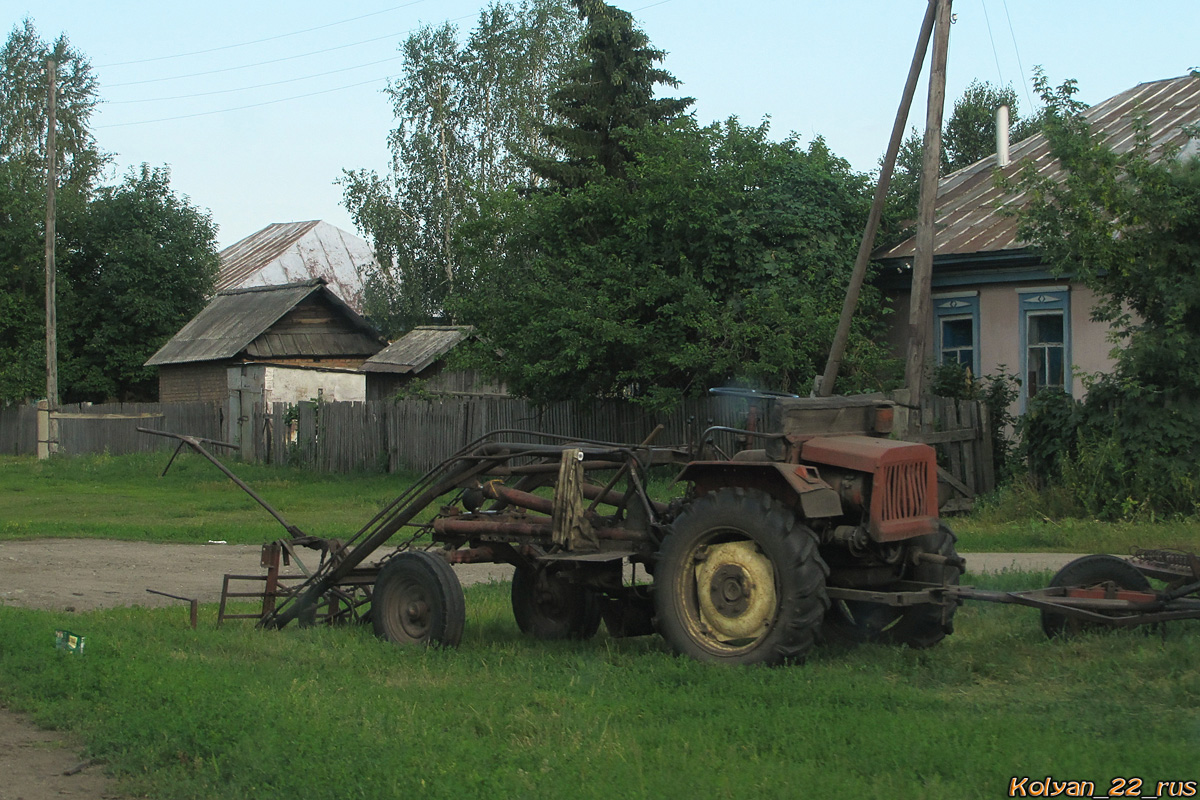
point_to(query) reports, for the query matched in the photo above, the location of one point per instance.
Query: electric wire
(274, 60)
(992, 39)
(259, 41)
(275, 83)
(247, 88)
(250, 105)
(1017, 49)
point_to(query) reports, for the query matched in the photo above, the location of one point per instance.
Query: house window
(1045, 341)
(956, 329)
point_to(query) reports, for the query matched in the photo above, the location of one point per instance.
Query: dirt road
(85, 574)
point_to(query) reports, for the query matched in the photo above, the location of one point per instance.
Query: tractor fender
(797, 486)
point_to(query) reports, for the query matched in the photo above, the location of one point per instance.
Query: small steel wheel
(1091, 571)
(547, 605)
(739, 581)
(418, 600)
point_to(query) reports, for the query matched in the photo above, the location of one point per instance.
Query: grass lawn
(124, 497)
(336, 713)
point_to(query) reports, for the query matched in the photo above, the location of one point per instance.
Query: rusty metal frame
(1118, 608)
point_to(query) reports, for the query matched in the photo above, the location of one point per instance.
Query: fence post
(43, 430)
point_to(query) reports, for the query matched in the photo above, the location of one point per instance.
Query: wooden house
(419, 359)
(995, 304)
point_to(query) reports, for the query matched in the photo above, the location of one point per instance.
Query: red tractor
(825, 527)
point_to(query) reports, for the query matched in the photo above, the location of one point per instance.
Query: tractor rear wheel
(1088, 571)
(739, 581)
(418, 600)
(917, 627)
(549, 606)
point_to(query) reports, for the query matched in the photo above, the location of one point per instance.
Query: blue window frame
(956, 329)
(1045, 340)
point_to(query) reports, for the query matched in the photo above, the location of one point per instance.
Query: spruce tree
(609, 93)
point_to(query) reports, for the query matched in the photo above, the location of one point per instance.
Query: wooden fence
(960, 430)
(111, 427)
(417, 434)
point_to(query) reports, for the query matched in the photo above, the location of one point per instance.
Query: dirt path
(86, 574)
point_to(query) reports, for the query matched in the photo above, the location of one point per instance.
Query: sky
(258, 106)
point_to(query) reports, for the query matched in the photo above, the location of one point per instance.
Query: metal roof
(968, 218)
(236, 321)
(242, 259)
(287, 252)
(417, 349)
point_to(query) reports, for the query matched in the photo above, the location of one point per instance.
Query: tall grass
(335, 713)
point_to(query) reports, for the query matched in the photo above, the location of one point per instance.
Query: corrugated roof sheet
(236, 319)
(417, 349)
(968, 220)
(242, 259)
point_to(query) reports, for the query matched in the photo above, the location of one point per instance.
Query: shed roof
(968, 206)
(236, 319)
(417, 349)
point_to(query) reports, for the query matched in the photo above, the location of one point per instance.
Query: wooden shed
(419, 358)
(267, 344)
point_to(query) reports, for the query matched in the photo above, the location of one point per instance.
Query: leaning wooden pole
(840, 339)
(920, 312)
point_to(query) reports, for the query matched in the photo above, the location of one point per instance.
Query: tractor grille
(904, 488)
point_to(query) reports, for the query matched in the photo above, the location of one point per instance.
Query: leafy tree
(606, 96)
(718, 256)
(23, 111)
(464, 112)
(23, 120)
(970, 133)
(1128, 225)
(968, 136)
(138, 265)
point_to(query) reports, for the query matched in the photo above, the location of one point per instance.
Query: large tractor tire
(917, 627)
(418, 600)
(1088, 571)
(548, 606)
(739, 581)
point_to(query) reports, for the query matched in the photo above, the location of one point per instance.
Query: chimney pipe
(1002, 136)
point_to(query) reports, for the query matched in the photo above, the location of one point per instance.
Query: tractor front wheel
(739, 581)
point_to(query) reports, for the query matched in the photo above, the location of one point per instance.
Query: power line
(264, 63)
(247, 88)
(242, 108)
(1024, 80)
(275, 83)
(260, 41)
(992, 39)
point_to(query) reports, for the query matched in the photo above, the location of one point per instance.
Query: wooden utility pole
(51, 306)
(838, 348)
(920, 313)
